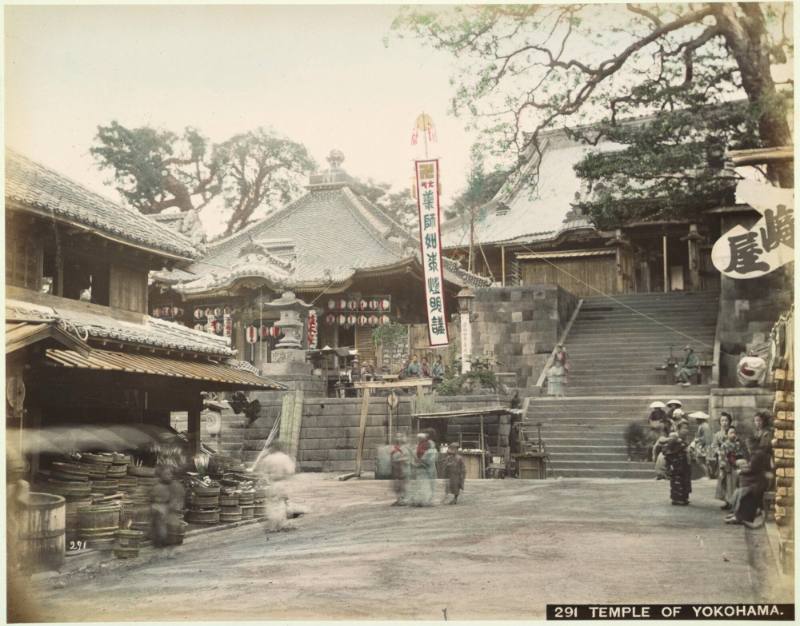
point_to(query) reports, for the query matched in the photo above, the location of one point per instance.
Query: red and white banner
(312, 330)
(430, 218)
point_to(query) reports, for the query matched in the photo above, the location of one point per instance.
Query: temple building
(333, 249)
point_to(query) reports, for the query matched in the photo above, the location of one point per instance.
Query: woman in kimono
(400, 458)
(423, 463)
(730, 451)
(556, 376)
(677, 468)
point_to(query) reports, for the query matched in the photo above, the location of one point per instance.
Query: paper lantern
(363, 305)
(385, 319)
(342, 319)
(276, 331)
(217, 312)
(373, 320)
(251, 334)
(385, 304)
(209, 312)
(264, 332)
(362, 320)
(351, 320)
(330, 318)
(156, 312)
(227, 310)
(331, 304)
(227, 329)
(198, 313)
(342, 304)
(353, 305)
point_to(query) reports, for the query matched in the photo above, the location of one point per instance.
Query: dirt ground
(504, 552)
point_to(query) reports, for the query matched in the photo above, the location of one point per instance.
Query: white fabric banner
(427, 187)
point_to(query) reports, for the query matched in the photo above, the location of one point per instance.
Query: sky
(320, 75)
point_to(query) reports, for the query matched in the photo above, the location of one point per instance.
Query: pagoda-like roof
(34, 188)
(327, 237)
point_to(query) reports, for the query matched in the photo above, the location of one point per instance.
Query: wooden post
(483, 450)
(666, 263)
(362, 429)
(195, 408)
(694, 258)
(503, 265)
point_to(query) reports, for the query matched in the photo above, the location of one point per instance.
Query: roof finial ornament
(335, 159)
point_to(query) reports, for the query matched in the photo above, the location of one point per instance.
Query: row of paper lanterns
(371, 304)
(167, 311)
(361, 320)
(254, 333)
(209, 312)
(217, 327)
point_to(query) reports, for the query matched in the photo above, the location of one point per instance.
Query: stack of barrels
(99, 465)
(783, 452)
(230, 510)
(127, 543)
(203, 502)
(70, 481)
(137, 513)
(247, 503)
(98, 524)
(260, 501)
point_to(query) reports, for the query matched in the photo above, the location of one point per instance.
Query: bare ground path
(504, 552)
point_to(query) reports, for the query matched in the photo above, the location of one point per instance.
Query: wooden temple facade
(333, 249)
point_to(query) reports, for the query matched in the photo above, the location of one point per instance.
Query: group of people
(414, 470)
(742, 468)
(415, 368)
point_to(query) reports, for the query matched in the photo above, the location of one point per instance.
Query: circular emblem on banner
(251, 334)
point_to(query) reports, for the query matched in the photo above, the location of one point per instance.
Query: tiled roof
(333, 232)
(533, 215)
(153, 332)
(39, 188)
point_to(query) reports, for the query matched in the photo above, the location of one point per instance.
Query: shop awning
(20, 334)
(217, 375)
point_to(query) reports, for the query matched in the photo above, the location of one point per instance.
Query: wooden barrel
(176, 532)
(98, 520)
(248, 511)
(203, 517)
(42, 534)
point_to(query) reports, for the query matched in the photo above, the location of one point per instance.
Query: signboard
(763, 248)
(312, 330)
(427, 186)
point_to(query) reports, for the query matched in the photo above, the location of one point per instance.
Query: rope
(619, 302)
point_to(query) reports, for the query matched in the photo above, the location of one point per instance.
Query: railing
(561, 340)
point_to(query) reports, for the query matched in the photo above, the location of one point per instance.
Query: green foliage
(473, 380)
(523, 69)
(390, 334)
(261, 171)
(157, 169)
(399, 205)
(481, 188)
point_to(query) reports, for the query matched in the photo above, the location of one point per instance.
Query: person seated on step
(753, 482)
(687, 369)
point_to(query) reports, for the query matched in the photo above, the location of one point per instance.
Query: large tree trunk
(748, 42)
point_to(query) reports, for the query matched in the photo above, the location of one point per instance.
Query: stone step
(601, 465)
(603, 473)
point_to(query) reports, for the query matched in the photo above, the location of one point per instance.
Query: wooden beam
(194, 410)
(362, 429)
(397, 384)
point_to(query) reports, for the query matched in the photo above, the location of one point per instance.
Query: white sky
(320, 75)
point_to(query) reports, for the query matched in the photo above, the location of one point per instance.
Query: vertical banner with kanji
(427, 187)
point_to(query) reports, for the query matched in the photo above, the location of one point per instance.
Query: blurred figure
(162, 506)
(437, 371)
(454, 471)
(423, 464)
(687, 369)
(562, 359)
(677, 466)
(17, 494)
(556, 378)
(276, 468)
(425, 368)
(400, 458)
(700, 447)
(413, 369)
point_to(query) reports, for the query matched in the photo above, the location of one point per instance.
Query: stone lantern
(289, 355)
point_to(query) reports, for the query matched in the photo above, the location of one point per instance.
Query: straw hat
(699, 415)
(675, 402)
(657, 405)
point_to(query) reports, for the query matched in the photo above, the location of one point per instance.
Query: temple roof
(32, 187)
(325, 237)
(524, 214)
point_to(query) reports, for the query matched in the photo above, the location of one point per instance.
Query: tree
(155, 170)
(260, 169)
(528, 68)
(481, 188)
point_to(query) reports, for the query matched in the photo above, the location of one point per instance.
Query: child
(454, 471)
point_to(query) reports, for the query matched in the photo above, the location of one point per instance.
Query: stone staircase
(614, 352)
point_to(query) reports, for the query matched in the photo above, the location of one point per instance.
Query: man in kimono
(454, 471)
(687, 369)
(423, 462)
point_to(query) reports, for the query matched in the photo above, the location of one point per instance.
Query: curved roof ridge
(361, 214)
